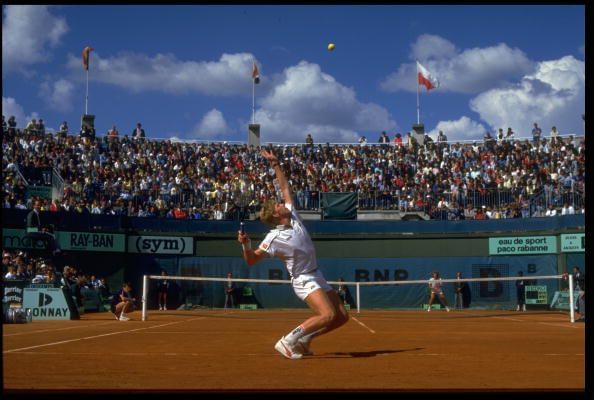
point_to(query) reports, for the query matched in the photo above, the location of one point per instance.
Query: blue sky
(184, 71)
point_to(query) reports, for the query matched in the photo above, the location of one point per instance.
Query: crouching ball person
(289, 241)
(123, 303)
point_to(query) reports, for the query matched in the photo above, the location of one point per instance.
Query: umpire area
(233, 350)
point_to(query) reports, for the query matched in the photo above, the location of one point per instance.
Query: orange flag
(85, 56)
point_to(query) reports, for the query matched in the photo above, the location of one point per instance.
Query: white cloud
(26, 31)
(306, 100)
(230, 75)
(212, 125)
(554, 95)
(57, 96)
(431, 46)
(11, 107)
(461, 129)
(470, 71)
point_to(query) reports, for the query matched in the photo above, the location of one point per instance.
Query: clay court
(231, 350)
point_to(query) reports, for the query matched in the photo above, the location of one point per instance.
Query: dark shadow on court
(357, 354)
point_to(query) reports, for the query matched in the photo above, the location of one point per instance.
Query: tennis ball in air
(330, 46)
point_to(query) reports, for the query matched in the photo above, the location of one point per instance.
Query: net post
(358, 298)
(144, 295)
(571, 305)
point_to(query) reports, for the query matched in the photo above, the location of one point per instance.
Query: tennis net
(540, 292)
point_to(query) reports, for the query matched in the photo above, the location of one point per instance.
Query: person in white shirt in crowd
(551, 211)
(567, 209)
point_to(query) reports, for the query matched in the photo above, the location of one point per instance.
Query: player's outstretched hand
(269, 155)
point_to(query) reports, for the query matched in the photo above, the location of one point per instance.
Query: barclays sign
(161, 245)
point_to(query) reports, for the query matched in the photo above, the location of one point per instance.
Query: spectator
(551, 211)
(536, 134)
(63, 129)
(11, 274)
(31, 126)
(362, 140)
(384, 139)
(138, 132)
(113, 133)
(441, 138)
(41, 127)
(554, 135)
(567, 209)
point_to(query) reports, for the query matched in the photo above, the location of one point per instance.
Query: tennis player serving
(289, 241)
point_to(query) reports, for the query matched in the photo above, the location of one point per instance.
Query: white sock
(294, 335)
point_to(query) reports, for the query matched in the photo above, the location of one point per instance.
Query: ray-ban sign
(161, 245)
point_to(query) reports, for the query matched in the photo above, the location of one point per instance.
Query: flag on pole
(85, 56)
(255, 74)
(425, 78)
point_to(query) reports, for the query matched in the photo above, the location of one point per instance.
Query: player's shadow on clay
(356, 354)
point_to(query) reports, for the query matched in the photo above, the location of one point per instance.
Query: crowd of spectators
(498, 177)
(20, 265)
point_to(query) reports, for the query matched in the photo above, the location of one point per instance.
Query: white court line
(362, 324)
(510, 318)
(97, 336)
(568, 325)
(57, 329)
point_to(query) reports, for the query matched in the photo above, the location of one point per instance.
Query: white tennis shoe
(124, 318)
(303, 347)
(287, 350)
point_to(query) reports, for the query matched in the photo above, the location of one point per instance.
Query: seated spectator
(551, 211)
(11, 274)
(567, 209)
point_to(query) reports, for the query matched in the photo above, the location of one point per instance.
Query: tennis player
(290, 242)
(435, 286)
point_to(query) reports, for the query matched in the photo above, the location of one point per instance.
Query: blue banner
(484, 294)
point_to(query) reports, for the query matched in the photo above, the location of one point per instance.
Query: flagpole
(87, 97)
(253, 101)
(418, 107)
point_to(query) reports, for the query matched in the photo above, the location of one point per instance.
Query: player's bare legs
(330, 312)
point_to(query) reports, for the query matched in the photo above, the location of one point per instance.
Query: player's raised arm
(280, 175)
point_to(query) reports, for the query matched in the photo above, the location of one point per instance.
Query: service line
(97, 336)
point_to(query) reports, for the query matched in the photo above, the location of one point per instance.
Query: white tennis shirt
(435, 285)
(292, 244)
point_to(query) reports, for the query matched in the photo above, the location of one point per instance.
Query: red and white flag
(85, 57)
(425, 78)
(255, 74)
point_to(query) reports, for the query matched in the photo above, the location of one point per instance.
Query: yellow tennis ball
(330, 46)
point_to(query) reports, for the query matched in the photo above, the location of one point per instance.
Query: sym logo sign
(161, 245)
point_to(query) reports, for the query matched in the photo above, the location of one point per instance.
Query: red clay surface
(230, 350)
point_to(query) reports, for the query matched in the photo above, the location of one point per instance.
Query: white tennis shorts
(304, 284)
